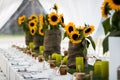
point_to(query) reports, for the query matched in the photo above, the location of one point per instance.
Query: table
(19, 66)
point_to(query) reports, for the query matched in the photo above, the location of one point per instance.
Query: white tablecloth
(19, 66)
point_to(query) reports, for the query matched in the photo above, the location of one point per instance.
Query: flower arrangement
(31, 24)
(80, 35)
(54, 20)
(111, 24)
(38, 25)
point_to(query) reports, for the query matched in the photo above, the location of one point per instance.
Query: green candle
(105, 69)
(58, 58)
(54, 56)
(79, 61)
(97, 68)
(41, 49)
(31, 46)
(65, 59)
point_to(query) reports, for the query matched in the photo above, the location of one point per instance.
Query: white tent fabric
(7, 9)
(78, 11)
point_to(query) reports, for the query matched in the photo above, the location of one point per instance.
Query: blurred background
(79, 11)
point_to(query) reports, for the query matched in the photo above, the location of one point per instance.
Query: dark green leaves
(92, 42)
(106, 25)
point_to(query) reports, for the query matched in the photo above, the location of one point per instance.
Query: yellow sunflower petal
(104, 9)
(114, 4)
(41, 19)
(33, 16)
(33, 30)
(69, 28)
(62, 18)
(74, 37)
(41, 31)
(32, 23)
(88, 30)
(53, 18)
(21, 19)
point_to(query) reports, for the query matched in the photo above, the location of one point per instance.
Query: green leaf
(106, 25)
(105, 44)
(116, 20)
(85, 50)
(115, 33)
(92, 42)
(65, 35)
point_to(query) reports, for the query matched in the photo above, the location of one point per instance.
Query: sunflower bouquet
(111, 24)
(54, 20)
(80, 35)
(33, 24)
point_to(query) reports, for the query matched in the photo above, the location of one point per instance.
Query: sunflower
(56, 7)
(70, 27)
(32, 23)
(53, 18)
(88, 30)
(33, 16)
(41, 19)
(74, 37)
(41, 31)
(114, 4)
(33, 30)
(62, 20)
(105, 9)
(21, 19)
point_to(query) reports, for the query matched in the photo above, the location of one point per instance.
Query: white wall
(114, 47)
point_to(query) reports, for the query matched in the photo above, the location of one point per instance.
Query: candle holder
(52, 63)
(83, 76)
(80, 76)
(28, 52)
(34, 55)
(65, 53)
(63, 69)
(40, 58)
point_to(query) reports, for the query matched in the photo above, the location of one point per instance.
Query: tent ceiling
(78, 11)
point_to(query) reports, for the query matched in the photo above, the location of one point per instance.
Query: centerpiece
(22, 22)
(32, 26)
(79, 42)
(52, 40)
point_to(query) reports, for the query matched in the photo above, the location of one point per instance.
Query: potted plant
(111, 24)
(79, 41)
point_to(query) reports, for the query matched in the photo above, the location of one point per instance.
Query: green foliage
(92, 42)
(111, 28)
(106, 25)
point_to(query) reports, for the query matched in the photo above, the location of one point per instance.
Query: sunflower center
(62, 19)
(54, 18)
(33, 17)
(22, 19)
(117, 2)
(41, 30)
(75, 36)
(70, 29)
(32, 31)
(88, 30)
(31, 24)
